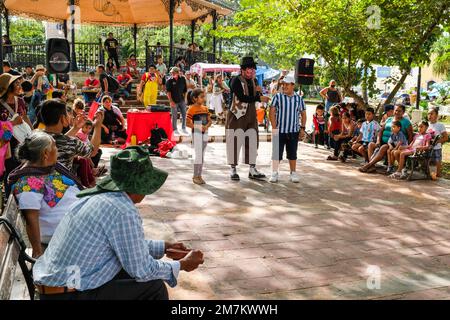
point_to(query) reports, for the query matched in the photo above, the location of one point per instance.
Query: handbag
(20, 131)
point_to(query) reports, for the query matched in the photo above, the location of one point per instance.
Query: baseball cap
(288, 79)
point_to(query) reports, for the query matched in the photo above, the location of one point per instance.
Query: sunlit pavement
(338, 234)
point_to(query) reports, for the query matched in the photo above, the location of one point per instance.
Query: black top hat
(248, 62)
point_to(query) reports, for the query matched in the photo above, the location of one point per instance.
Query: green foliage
(441, 48)
(25, 31)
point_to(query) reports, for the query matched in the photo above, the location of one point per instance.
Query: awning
(119, 12)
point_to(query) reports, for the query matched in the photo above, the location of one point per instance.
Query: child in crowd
(388, 112)
(334, 125)
(341, 140)
(396, 141)
(368, 134)
(435, 128)
(319, 122)
(421, 141)
(78, 107)
(199, 119)
(84, 132)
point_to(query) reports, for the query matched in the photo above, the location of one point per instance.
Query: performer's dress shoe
(256, 175)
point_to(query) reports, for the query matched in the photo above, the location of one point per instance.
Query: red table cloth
(142, 123)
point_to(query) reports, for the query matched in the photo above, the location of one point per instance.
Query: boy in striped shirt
(286, 111)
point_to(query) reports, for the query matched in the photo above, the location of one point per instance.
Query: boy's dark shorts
(436, 156)
(288, 140)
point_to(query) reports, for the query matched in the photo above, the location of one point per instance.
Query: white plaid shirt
(99, 236)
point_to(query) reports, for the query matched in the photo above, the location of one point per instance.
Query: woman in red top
(346, 134)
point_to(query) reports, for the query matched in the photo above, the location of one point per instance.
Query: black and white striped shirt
(288, 112)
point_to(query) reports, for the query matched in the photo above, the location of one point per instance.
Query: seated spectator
(7, 69)
(132, 66)
(383, 137)
(368, 134)
(29, 73)
(421, 141)
(396, 142)
(435, 128)
(125, 81)
(113, 128)
(102, 235)
(55, 117)
(110, 67)
(388, 112)
(344, 137)
(320, 126)
(85, 166)
(41, 83)
(334, 126)
(90, 88)
(28, 97)
(43, 188)
(78, 108)
(78, 111)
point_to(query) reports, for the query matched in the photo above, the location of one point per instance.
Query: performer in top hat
(241, 124)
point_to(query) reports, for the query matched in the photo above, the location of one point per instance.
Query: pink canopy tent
(201, 68)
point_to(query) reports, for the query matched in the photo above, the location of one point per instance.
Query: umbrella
(118, 12)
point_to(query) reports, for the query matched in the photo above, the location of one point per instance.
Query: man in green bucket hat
(98, 251)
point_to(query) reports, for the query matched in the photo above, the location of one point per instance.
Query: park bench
(420, 160)
(12, 251)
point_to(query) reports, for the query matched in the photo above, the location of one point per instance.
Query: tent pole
(171, 11)
(214, 16)
(135, 31)
(73, 65)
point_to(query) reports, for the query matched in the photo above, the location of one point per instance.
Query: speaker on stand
(57, 55)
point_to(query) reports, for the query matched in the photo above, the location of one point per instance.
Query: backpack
(157, 136)
(113, 84)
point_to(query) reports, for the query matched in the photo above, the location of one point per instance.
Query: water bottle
(113, 138)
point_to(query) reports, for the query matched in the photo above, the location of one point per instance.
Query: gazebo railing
(89, 55)
(23, 55)
(190, 57)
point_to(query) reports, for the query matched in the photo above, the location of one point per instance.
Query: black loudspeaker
(304, 71)
(58, 55)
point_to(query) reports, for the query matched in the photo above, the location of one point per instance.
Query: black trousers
(338, 144)
(122, 287)
(97, 157)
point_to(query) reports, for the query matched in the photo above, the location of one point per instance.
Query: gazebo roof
(118, 12)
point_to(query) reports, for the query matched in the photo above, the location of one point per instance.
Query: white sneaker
(274, 177)
(294, 177)
(184, 132)
(176, 132)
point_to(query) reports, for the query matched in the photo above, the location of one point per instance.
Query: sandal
(363, 169)
(395, 175)
(332, 158)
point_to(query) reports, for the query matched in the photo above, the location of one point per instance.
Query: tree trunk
(396, 88)
(364, 87)
(357, 98)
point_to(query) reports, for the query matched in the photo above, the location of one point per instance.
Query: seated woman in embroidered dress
(43, 188)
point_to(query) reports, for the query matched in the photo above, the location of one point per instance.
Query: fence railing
(189, 56)
(90, 54)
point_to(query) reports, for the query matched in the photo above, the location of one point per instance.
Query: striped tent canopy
(118, 12)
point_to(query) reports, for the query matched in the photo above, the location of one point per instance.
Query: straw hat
(6, 80)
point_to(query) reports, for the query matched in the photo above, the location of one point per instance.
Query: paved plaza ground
(312, 240)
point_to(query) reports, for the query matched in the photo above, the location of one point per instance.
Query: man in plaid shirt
(98, 251)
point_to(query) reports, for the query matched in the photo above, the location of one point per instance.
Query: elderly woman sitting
(44, 189)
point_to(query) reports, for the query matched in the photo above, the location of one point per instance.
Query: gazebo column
(73, 64)
(214, 23)
(192, 31)
(6, 14)
(171, 11)
(65, 28)
(135, 31)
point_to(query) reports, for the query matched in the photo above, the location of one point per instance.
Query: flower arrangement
(6, 132)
